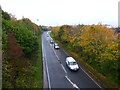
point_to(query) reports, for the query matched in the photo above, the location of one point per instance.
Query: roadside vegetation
(22, 56)
(95, 46)
(43, 28)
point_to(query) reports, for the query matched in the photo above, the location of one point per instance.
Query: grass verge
(39, 68)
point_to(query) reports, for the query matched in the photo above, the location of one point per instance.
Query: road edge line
(91, 78)
(45, 65)
(48, 75)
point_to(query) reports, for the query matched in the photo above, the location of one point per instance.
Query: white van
(72, 64)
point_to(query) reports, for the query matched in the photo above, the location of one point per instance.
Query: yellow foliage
(94, 39)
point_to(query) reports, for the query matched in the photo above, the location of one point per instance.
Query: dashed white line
(57, 56)
(63, 68)
(74, 85)
(69, 80)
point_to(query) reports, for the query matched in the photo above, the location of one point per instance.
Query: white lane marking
(69, 80)
(51, 45)
(91, 78)
(56, 55)
(63, 68)
(74, 85)
(48, 75)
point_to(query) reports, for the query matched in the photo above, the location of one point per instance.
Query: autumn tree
(97, 44)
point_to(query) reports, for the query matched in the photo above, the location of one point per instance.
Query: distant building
(108, 26)
(45, 26)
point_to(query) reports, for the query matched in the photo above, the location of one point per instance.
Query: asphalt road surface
(57, 74)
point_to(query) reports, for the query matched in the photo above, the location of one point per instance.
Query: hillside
(20, 43)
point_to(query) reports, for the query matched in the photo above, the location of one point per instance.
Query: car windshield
(56, 45)
(73, 63)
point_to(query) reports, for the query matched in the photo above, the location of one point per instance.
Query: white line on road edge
(91, 78)
(63, 68)
(48, 74)
(74, 85)
(65, 52)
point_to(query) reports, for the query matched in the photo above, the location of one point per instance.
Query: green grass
(51, 35)
(39, 68)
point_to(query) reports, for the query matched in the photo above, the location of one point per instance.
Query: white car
(56, 46)
(72, 64)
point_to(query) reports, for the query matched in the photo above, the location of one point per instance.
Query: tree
(5, 15)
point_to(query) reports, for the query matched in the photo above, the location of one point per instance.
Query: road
(57, 74)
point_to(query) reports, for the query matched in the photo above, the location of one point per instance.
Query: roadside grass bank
(36, 65)
(101, 79)
(22, 55)
(38, 68)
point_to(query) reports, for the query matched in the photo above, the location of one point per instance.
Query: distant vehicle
(72, 64)
(51, 41)
(56, 46)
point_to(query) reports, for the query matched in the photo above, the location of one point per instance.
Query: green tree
(5, 15)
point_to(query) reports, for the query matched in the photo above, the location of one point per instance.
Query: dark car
(51, 41)
(56, 46)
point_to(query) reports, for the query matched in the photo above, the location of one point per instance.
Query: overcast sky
(60, 12)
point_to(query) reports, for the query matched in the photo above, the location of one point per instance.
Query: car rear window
(73, 63)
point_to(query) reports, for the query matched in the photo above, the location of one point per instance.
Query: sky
(61, 12)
